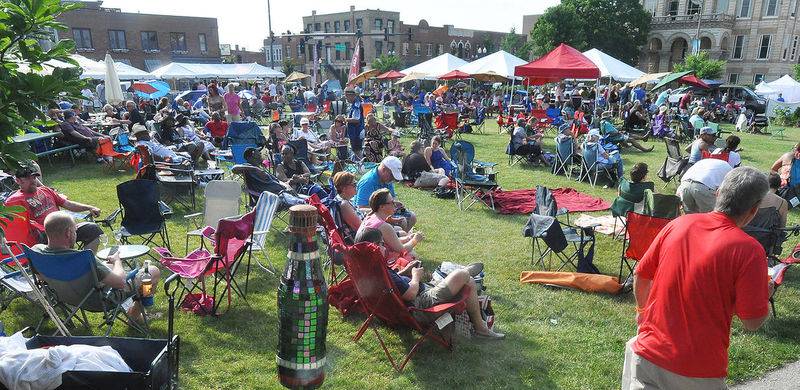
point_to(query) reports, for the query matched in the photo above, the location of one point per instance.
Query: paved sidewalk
(784, 378)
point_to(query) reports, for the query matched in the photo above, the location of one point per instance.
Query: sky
(244, 22)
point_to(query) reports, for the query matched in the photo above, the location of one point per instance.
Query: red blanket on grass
(524, 201)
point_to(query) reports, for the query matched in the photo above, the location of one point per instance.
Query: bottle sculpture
(302, 306)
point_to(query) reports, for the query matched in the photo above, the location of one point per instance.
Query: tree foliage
(515, 44)
(289, 65)
(616, 27)
(796, 69)
(703, 66)
(386, 62)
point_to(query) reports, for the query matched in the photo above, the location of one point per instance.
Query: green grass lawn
(555, 338)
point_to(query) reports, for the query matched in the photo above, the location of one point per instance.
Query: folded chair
(590, 168)
(143, 213)
(72, 282)
(675, 164)
(222, 199)
(232, 241)
(640, 231)
(557, 237)
(566, 159)
(380, 300)
(470, 186)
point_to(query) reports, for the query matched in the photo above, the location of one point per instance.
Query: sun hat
(708, 130)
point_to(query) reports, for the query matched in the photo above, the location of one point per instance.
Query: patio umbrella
(296, 76)
(390, 75)
(413, 76)
(489, 77)
(670, 78)
(454, 75)
(460, 85)
(246, 94)
(364, 76)
(646, 78)
(441, 90)
(153, 89)
(694, 81)
(113, 89)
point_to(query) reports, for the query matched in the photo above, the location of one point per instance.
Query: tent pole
(511, 96)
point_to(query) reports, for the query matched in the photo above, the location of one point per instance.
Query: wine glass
(118, 236)
(104, 240)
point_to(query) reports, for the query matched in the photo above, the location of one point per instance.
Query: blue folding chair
(566, 157)
(480, 119)
(590, 168)
(471, 186)
(73, 284)
(244, 133)
(555, 117)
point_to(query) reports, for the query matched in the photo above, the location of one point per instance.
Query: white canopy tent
(501, 62)
(97, 69)
(180, 70)
(437, 66)
(788, 87)
(612, 67)
(766, 91)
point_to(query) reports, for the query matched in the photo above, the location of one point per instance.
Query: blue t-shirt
(399, 281)
(368, 184)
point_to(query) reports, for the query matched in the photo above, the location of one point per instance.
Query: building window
(405, 48)
(347, 51)
(346, 26)
(378, 24)
(693, 7)
(763, 48)
(744, 8)
(440, 49)
(757, 78)
(149, 40)
(203, 43)
(430, 49)
(733, 78)
(672, 9)
(151, 65)
(792, 8)
(793, 55)
(116, 40)
(317, 27)
(785, 47)
(770, 7)
(390, 47)
(327, 26)
(378, 48)
(299, 51)
(177, 41)
(359, 24)
(308, 27)
(277, 53)
(268, 54)
(390, 25)
(738, 47)
(337, 26)
(417, 49)
(337, 55)
(82, 38)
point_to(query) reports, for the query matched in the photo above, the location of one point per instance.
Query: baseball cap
(303, 121)
(395, 165)
(708, 130)
(594, 133)
(69, 114)
(27, 170)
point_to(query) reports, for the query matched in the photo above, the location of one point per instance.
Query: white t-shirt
(273, 90)
(310, 136)
(708, 171)
(733, 158)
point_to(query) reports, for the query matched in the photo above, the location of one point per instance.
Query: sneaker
(474, 269)
(492, 335)
(100, 160)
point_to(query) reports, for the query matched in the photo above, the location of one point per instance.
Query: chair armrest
(107, 221)
(164, 208)
(459, 305)
(195, 215)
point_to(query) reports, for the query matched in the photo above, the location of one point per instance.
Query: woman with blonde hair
(400, 249)
(374, 133)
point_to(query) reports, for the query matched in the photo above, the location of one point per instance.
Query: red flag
(355, 63)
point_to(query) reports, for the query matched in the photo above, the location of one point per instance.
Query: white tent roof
(787, 86)
(180, 70)
(501, 62)
(612, 67)
(97, 69)
(437, 66)
(765, 90)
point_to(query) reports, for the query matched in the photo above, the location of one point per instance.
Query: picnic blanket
(603, 224)
(524, 201)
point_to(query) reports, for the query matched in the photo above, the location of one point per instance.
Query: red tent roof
(694, 81)
(454, 75)
(391, 75)
(563, 62)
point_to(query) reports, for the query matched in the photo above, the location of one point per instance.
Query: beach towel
(524, 201)
(604, 224)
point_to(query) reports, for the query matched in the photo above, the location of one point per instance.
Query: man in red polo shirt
(700, 270)
(217, 128)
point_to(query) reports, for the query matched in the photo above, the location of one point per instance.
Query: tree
(289, 65)
(617, 27)
(515, 45)
(703, 66)
(796, 69)
(385, 63)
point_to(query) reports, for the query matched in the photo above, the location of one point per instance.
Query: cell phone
(113, 251)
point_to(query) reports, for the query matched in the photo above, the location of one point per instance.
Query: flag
(355, 62)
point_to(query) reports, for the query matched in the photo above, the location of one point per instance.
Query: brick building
(757, 38)
(144, 41)
(335, 52)
(243, 56)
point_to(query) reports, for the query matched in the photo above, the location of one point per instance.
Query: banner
(355, 62)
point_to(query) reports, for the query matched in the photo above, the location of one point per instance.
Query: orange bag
(593, 283)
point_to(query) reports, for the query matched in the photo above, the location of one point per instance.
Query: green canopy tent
(670, 78)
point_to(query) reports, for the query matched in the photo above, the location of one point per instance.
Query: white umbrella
(113, 89)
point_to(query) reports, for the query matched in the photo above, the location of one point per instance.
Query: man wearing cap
(384, 176)
(157, 150)
(79, 134)
(617, 137)
(705, 142)
(40, 201)
(355, 121)
(698, 188)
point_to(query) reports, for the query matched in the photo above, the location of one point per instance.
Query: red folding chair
(543, 121)
(379, 299)
(640, 230)
(332, 236)
(719, 156)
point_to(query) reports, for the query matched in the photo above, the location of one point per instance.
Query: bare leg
(639, 146)
(455, 281)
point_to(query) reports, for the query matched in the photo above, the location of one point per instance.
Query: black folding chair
(143, 213)
(675, 164)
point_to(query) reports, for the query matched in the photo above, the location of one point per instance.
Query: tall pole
(271, 38)
(697, 33)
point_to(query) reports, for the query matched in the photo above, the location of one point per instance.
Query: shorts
(433, 295)
(639, 373)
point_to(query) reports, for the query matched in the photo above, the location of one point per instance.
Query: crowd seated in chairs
(598, 158)
(524, 147)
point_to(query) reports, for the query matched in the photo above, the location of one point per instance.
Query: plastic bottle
(146, 285)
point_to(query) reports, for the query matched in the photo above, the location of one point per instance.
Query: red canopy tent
(694, 81)
(563, 62)
(390, 75)
(454, 75)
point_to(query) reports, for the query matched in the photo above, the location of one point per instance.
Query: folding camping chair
(381, 300)
(301, 154)
(557, 236)
(222, 199)
(231, 241)
(675, 163)
(566, 159)
(765, 228)
(479, 122)
(590, 168)
(640, 231)
(543, 122)
(424, 117)
(266, 208)
(244, 133)
(13, 284)
(777, 271)
(555, 117)
(470, 186)
(171, 175)
(72, 282)
(143, 213)
(629, 195)
(661, 205)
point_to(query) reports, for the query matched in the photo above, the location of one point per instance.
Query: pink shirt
(232, 100)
